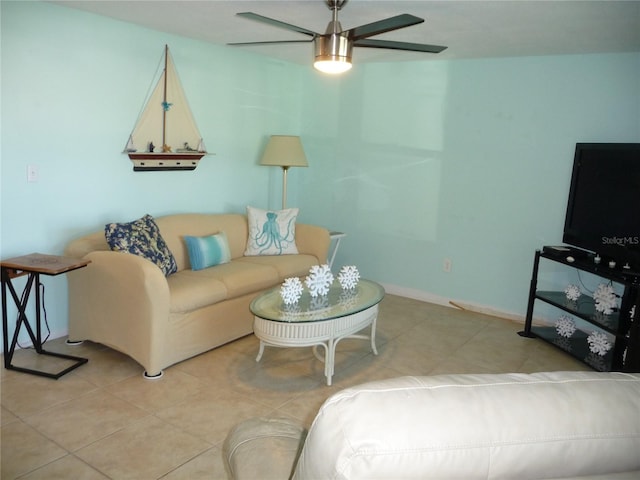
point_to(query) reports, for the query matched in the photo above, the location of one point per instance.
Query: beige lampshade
(284, 151)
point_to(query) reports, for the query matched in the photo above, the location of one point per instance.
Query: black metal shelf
(577, 346)
(625, 332)
(586, 262)
(584, 308)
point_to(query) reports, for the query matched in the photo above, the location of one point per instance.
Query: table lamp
(284, 151)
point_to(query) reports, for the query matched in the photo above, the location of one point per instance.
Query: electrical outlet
(33, 174)
(446, 265)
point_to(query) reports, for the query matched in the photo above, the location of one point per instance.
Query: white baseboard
(447, 302)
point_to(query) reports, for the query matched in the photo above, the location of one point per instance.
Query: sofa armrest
(122, 301)
(535, 426)
(263, 448)
(313, 240)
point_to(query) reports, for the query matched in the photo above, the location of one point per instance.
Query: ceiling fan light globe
(333, 67)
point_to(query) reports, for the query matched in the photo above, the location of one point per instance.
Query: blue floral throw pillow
(271, 232)
(141, 237)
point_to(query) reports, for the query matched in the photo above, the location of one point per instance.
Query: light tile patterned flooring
(104, 420)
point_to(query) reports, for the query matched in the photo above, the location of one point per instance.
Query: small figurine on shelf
(152, 147)
(186, 148)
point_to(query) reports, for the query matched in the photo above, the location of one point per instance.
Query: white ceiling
(470, 29)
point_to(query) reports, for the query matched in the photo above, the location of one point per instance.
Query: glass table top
(337, 303)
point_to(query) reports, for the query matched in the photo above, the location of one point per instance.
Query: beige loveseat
(571, 425)
(124, 301)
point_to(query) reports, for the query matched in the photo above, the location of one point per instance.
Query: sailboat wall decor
(165, 136)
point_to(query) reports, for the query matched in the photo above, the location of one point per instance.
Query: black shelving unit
(618, 326)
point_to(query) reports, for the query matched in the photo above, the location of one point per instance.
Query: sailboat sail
(166, 136)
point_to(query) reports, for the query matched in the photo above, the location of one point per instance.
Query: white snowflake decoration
(291, 290)
(319, 280)
(348, 277)
(572, 292)
(605, 299)
(598, 343)
(565, 326)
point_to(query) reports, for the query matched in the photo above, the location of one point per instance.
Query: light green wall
(73, 85)
(468, 160)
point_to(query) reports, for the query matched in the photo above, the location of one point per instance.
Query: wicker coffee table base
(325, 333)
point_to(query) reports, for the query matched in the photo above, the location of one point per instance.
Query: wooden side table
(33, 266)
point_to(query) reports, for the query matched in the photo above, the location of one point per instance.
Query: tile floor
(104, 421)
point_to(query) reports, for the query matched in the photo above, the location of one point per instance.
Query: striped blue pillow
(208, 251)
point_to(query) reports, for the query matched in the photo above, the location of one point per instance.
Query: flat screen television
(603, 210)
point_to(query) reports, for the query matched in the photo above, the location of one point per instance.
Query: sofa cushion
(196, 289)
(191, 290)
(271, 232)
(286, 265)
(240, 278)
(141, 237)
(207, 251)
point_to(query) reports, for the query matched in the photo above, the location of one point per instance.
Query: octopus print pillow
(271, 232)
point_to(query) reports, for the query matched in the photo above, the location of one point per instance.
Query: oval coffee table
(317, 321)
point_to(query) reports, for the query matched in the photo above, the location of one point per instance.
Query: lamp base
(285, 168)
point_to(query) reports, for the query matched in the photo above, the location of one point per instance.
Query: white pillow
(271, 232)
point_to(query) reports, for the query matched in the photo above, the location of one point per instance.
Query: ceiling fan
(333, 49)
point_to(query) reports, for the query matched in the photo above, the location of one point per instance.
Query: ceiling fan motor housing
(332, 47)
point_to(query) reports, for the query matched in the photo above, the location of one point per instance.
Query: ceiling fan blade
(413, 47)
(382, 26)
(276, 23)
